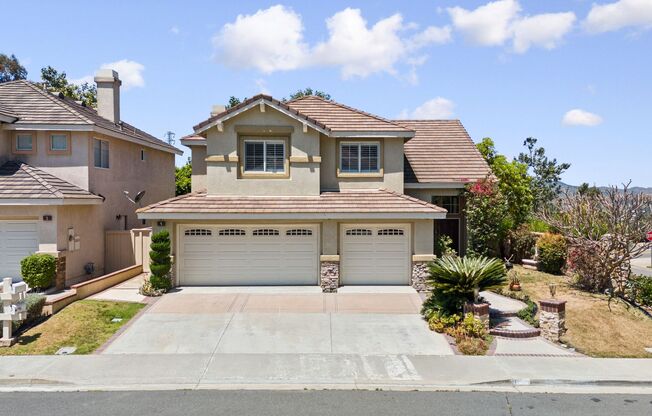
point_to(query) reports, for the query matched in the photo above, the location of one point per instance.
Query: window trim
(108, 166)
(66, 151)
(371, 174)
(244, 174)
(14, 144)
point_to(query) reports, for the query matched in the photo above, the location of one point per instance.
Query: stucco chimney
(217, 109)
(108, 94)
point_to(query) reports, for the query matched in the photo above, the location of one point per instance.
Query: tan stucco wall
(87, 225)
(198, 161)
(392, 149)
(5, 144)
(422, 237)
(127, 172)
(222, 177)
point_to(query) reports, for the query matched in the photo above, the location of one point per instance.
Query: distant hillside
(636, 189)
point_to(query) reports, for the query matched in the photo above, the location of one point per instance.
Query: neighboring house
(311, 192)
(63, 170)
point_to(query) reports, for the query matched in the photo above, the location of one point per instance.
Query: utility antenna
(169, 136)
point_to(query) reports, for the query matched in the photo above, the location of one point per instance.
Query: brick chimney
(108, 94)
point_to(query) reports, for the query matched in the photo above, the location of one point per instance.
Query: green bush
(444, 246)
(472, 346)
(522, 243)
(456, 280)
(34, 303)
(160, 261)
(641, 290)
(553, 252)
(442, 323)
(38, 270)
(470, 336)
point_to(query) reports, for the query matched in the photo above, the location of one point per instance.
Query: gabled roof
(328, 117)
(354, 204)
(34, 106)
(441, 152)
(22, 182)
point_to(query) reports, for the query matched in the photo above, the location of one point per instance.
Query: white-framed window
(231, 232)
(264, 156)
(59, 142)
(198, 232)
(24, 142)
(390, 231)
(358, 231)
(142, 155)
(101, 153)
(359, 157)
(265, 232)
(298, 231)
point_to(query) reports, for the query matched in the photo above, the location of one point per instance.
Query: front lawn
(595, 328)
(85, 324)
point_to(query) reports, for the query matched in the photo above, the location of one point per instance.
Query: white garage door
(18, 239)
(248, 255)
(375, 255)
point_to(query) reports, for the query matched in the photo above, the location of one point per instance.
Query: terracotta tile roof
(22, 181)
(328, 115)
(339, 117)
(191, 139)
(350, 201)
(441, 151)
(32, 105)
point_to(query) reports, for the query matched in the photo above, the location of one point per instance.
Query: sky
(575, 74)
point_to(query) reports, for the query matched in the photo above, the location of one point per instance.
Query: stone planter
(552, 319)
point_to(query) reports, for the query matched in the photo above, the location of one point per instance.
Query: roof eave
(372, 134)
(194, 142)
(49, 201)
(436, 185)
(154, 215)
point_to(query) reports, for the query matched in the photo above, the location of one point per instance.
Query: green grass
(85, 324)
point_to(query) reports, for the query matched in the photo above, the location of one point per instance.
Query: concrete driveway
(377, 321)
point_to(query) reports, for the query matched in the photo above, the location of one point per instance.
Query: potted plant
(514, 283)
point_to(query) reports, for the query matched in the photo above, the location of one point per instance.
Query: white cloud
(272, 40)
(261, 87)
(130, 72)
(436, 108)
(618, 15)
(496, 23)
(175, 30)
(269, 40)
(579, 117)
(545, 30)
(488, 25)
(85, 79)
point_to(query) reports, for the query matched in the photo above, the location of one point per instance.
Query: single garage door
(18, 239)
(249, 255)
(375, 255)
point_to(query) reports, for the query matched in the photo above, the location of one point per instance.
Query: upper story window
(24, 142)
(58, 143)
(101, 153)
(264, 156)
(449, 203)
(359, 157)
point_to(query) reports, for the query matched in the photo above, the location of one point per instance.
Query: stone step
(513, 327)
(530, 264)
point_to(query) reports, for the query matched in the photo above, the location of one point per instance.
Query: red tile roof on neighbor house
(441, 151)
(329, 116)
(361, 203)
(32, 105)
(21, 181)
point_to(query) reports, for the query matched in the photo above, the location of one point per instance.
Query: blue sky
(575, 74)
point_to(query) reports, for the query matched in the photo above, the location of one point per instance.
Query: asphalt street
(325, 402)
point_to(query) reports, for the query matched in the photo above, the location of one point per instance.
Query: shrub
(456, 280)
(38, 270)
(487, 218)
(470, 327)
(522, 242)
(470, 336)
(641, 290)
(472, 346)
(160, 262)
(34, 303)
(552, 253)
(442, 323)
(444, 246)
(148, 290)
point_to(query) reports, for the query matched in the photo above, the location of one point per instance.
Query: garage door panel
(277, 258)
(18, 239)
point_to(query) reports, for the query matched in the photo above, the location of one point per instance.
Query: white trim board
(291, 216)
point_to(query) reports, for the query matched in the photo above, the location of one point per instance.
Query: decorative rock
(552, 319)
(419, 276)
(330, 276)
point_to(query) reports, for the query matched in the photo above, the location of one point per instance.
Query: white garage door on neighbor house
(233, 255)
(18, 239)
(375, 255)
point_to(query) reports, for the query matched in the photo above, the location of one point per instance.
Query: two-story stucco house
(63, 170)
(312, 192)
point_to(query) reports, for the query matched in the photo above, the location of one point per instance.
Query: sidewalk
(318, 371)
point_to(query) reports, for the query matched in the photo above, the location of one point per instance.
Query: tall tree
(309, 91)
(546, 181)
(183, 178)
(55, 81)
(11, 69)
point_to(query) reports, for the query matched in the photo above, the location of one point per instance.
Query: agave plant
(456, 280)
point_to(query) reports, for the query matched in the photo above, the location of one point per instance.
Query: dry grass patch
(595, 326)
(85, 325)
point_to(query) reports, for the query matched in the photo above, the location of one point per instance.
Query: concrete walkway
(502, 304)
(124, 292)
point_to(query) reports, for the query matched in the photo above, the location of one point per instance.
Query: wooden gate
(123, 249)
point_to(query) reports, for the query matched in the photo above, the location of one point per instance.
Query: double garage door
(289, 255)
(18, 239)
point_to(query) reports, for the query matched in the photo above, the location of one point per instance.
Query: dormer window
(264, 156)
(359, 157)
